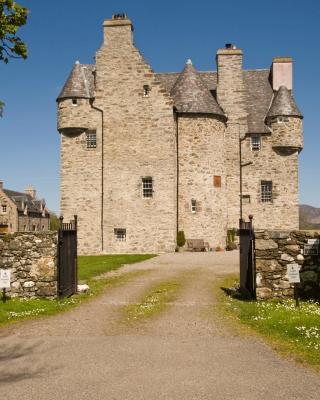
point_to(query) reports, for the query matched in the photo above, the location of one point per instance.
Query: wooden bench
(196, 245)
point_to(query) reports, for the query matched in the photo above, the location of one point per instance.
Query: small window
(266, 191)
(147, 187)
(34, 228)
(25, 228)
(91, 140)
(146, 90)
(74, 102)
(120, 234)
(42, 227)
(4, 208)
(217, 181)
(281, 120)
(256, 142)
(246, 199)
(193, 206)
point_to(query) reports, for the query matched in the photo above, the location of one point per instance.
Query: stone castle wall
(80, 173)
(280, 168)
(274, 251)
(139, 141)
(231, 97)
(32, 258)
(201, 150)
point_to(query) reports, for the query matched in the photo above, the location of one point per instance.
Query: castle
(146, 154)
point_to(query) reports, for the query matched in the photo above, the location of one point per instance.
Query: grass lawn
(155, 300)
(88, 268)
(293, 331)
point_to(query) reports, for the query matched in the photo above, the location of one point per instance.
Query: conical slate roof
(191, 95)
(283, 104)
(79, 83)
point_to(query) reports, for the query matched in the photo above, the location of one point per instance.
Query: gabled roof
(80, 83)
(191, 94)
(22, 200)
(283, 104)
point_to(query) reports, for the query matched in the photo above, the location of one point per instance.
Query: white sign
(293, 273)
(5, 278)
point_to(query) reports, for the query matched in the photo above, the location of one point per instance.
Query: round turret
(285, 121)
(74, 100)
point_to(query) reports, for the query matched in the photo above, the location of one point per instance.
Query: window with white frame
(4, 208)
(266, 191)
(256, 142)
(193, 205)
(147, 187)
(91, 139)
(120, 234)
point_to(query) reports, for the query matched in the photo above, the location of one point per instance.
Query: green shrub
(181, 239)
(231, 234)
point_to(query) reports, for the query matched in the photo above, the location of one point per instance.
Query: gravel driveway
(184, 353)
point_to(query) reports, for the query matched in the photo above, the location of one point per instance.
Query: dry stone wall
(274, 251)
(32, 258)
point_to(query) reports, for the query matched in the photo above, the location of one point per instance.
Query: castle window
(146, 90)
(25, 228)
(74, 102)
(282, 119)
(256, 142)
(246, 199)
(91, 139)
(147, 187)
(120, 234)
(4, 208)
(34, 228)
(42, 228)
(193, 205)
(217, 181)
(266, 191)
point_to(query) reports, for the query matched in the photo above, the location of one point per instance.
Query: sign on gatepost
(293, 273)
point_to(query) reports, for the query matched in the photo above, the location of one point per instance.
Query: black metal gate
(247, 259)
(67, 258)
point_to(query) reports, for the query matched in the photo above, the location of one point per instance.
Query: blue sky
(167, 33)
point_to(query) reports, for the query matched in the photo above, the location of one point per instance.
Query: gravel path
(184, 353)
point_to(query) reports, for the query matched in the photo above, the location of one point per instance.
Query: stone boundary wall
(32, 258)
(274, 251)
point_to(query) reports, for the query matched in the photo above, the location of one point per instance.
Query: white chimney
(281, 72)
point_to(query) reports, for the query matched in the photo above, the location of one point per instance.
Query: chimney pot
(30, 191)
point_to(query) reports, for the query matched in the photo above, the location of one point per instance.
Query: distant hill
(309, 217)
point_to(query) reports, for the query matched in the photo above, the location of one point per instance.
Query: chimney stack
(118, 30)
(281, 72)
(30, 191)
(1, 184)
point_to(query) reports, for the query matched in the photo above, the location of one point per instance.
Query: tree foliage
(54, 222)
(12, 17)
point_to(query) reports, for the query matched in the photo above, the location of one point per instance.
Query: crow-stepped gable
(145, 154)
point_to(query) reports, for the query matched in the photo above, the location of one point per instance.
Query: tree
(12, 16)
(54, 222)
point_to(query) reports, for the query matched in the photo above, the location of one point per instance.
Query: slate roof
(80, 83)
(283, 104)
(22, 199)
(192, 95)
(188, 87)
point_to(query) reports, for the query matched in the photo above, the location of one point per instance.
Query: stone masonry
(32, 258)
(183, 133)
(274, 251)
